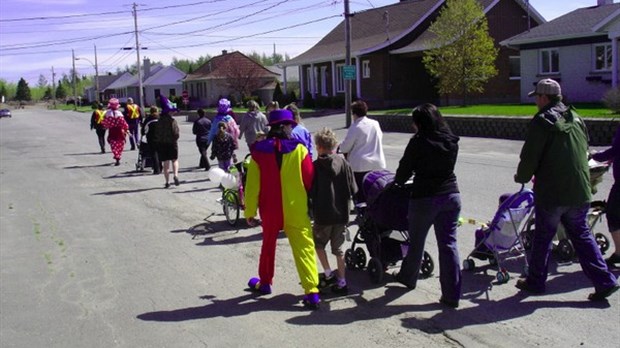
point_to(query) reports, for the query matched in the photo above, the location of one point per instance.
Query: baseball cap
(546, 86)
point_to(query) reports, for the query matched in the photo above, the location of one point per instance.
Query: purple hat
(223, 106)
(281, 116)
(166, 105)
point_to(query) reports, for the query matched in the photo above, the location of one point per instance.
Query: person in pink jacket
(279, 177)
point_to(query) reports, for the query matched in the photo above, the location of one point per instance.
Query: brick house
(387, 45)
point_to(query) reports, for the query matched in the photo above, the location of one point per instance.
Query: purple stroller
(383, 228)
(503, 234)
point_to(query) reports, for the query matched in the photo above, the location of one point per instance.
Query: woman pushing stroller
(435, 200)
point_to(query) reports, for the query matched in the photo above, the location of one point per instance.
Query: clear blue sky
(36, 35)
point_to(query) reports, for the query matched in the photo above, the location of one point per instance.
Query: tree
(23, 91)
(462, 57)
(61, 93)
(241, 80)
(48, 93)
(278, 95)
(42, 82)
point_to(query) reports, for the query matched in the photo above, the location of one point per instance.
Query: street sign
(185, 94)
(348, 72)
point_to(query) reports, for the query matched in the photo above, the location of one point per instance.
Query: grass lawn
(527, 110)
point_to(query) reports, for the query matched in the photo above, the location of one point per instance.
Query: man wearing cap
(279, 177)
(133, 116)
(555, 152)
(96, 123)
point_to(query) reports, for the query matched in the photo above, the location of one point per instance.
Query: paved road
(93, 255)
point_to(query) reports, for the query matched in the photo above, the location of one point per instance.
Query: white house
(578, 49)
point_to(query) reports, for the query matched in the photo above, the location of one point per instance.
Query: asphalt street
(94, 255)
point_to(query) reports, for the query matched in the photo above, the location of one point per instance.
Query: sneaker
(167, 185)
(613, 260)
(523, 285)
(176, 181)
(339, 290)
(255, 285)
(325, 282)
(311, 301)
(602, 295)
(118, 163)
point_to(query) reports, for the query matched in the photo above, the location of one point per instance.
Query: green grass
(526, 110)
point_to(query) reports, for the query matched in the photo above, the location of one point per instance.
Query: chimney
(605, 2)
(224, 52)
(146, 68)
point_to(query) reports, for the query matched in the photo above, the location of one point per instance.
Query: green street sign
(348, 72)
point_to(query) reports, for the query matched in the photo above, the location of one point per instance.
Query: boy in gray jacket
(332, 188)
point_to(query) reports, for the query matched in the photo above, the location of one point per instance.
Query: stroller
(562, 246)
(145, 159)
(383, 227)
(503, 234)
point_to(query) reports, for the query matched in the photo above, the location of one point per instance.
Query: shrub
(308, 101)
(611, 99)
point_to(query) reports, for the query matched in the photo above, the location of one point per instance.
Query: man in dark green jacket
(555, 153)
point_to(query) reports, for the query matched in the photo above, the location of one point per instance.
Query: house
(155, 79)
(387, 45)
(104, 81)
(578, 49)
(232, 75)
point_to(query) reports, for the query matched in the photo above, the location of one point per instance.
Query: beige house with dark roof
(387, 45)
(579, 49)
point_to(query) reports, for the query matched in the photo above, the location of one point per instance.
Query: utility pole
(96, 77)
(54, 87)
(347, 83)
(73, 80)
(135, 22)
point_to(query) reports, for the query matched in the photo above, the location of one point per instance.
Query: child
(332, 187)
(223, 147)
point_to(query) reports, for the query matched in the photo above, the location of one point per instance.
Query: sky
(38, 36)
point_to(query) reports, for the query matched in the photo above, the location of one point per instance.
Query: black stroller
(383, 227)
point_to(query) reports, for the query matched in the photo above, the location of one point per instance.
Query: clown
(118, 127)
(279, 178)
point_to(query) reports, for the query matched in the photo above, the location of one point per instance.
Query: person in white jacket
(363, 146)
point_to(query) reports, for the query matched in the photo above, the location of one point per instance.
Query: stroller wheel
(428, 266)
(349, 259)
(375, 270)
(469, 265)
(360, 258)
(502, 276)
(526, 239)
(565, 249)
(602, 241)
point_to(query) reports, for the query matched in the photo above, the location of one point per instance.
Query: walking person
(278, 180)
(612, 155)
(133, 116)
(96, 123)
(201, 129)
(223, 148)
(435, 200)
(253, 122)
(363, 146)
(555, 151)
(300, 132)
(223, 109)
(150, 147)
(332, 188)
(117, 129)
(166, 140)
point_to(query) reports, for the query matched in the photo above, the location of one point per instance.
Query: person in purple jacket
(612, 154)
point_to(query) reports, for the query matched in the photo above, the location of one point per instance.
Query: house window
(366, 69)
(549, 61)
(172, 92)
(602, 57)
(515, 67)
(324, 80)
(157, 93)
(339, 78)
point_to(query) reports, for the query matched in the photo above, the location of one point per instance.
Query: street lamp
(96, 74)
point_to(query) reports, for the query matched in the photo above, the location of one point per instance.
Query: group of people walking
(282, 179)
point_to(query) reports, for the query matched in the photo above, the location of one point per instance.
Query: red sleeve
(307, 172)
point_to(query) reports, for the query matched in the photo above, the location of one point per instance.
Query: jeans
(574, 219)
(442, 212)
